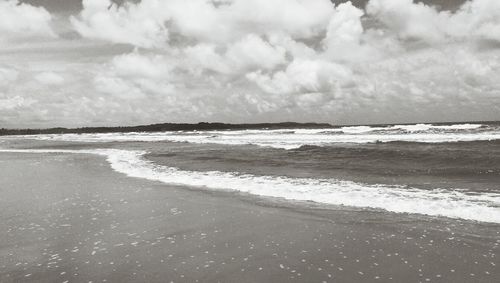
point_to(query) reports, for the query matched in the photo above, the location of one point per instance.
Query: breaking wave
(295, 138)
(484, 207)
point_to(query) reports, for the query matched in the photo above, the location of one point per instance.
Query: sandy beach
(70, 218)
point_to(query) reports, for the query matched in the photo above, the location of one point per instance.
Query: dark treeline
(163, 127)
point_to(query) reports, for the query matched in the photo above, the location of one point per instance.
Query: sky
(73, 63)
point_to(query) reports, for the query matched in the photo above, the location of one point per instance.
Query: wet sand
(70, 218)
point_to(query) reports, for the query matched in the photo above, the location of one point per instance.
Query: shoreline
(133, 164)
(72, 214)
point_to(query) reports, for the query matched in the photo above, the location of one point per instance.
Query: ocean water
(433, 170)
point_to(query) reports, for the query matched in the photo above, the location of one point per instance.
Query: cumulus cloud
(249, 53)
(23, 20)
(304, 76)
(135, 65)
(205, 56)
(344, 32)
(148, 23)
(12, 103)
(478, 18)
(117, 86)
(235, 60)
(141, 24)
(409, 20)
(297, 18)
(136, 76)
(253, 52)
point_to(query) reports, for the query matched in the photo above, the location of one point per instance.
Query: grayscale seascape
(249, 141)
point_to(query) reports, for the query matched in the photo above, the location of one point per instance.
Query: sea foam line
(293, 138)
(484, 207)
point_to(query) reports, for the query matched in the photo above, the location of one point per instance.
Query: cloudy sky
(96, 62)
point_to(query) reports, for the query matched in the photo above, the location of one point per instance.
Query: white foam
(483, 207)
(427, 127)
(285, 140)
(361, 129)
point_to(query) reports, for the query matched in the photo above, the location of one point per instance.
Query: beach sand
(70, 218)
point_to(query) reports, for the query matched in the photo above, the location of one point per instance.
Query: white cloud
(117, 86)
(249, 53)
(240, 60)
(409, 20)
(136, 76)
(15, 102)
(304, 76)
(146, 24)
(298, 18)
(204, 56)
(135, 65)
(49, 78)
(344, 28)
(227, 21)
(198, 19)
(253, 52)
(23, 20)
(477, 18)
(141, 24)
(294, 48)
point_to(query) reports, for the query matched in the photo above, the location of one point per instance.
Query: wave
(281, 139)
(460, 204)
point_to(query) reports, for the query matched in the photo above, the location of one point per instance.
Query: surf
(296, 138)
(457, 203)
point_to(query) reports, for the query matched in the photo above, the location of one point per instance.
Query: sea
(425, 170)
